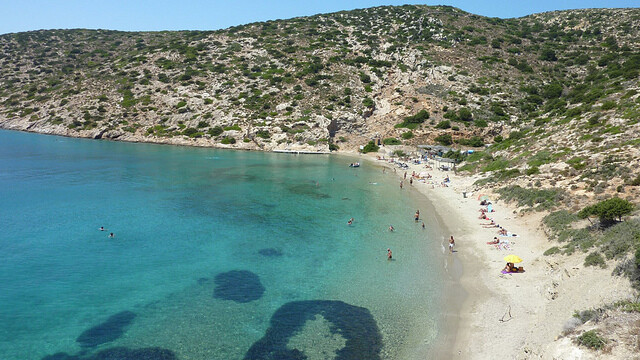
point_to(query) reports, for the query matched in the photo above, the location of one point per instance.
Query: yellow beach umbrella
(512, 259)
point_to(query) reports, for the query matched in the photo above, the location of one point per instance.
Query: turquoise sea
(216, 255)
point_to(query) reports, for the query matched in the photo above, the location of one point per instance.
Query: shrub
(368, 102)
(636, 181)
(333, 147)
(620, 238)
(215, 131)
(551, 251)
(608, 105)
(552, 91)
(418, 118)
(481, 123)
(444, 139)
(189, 131)
(538, 199)
(446, 124)
(594, 259)
(203, 124)
(592, 340)
(407, 135)
(228, 140)
(391, 141)
(559, 220)
(475, 141)
(370, 147)
(181, 104)
(465, 114)
(533, 170)
(264, 134)
(496, 164)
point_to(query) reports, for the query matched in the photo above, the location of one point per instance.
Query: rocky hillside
(555, 93)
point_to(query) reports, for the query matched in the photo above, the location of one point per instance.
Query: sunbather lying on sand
(495, 241)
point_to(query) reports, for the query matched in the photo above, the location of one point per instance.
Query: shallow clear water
(213, 251)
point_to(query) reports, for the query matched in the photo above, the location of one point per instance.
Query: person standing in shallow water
(452, 242)
(389, 255)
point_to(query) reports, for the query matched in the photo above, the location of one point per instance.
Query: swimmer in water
(101, 228)
(391, 228)
(111, 235)
(423, 227)
(350, 221)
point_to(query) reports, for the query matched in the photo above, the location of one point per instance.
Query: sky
(146, 15)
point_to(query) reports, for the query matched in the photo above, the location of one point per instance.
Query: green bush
(608, 105)
(445, 124)
(465, 114)
(538, 199)
(333, 147)
(619, 239)
(551, 251)
(559, 220)
(418, 118)
(474, 141)
(592, 340)
(181, 104)
(496, 164)
(228, 140)
(368, 102)
(407, 135)
(370, 147)
(444, 139)
(203, 124)
(533, 170)
(391, 141)
(215, 131)
(594, 259)
(264, 134)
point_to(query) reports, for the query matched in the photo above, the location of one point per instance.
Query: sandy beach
(520, 315)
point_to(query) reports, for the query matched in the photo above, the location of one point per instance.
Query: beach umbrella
(512, 259)
(483, 197)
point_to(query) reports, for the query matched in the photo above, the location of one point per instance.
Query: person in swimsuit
(391, 228)
(423, 227)
(111, 235)
(389, 255)
(101, 228)
(451, 243)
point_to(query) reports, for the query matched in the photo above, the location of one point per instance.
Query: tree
(608, 210)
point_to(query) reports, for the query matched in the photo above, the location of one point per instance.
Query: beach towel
(490, 208)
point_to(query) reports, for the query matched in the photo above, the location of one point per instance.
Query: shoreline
(455, 294)
(531, 307)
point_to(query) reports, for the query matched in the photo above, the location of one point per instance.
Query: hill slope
(556, 93)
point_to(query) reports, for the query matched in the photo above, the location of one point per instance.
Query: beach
(489, 314)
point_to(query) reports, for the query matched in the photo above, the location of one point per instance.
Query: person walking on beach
(389, 255)
(451, 243)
